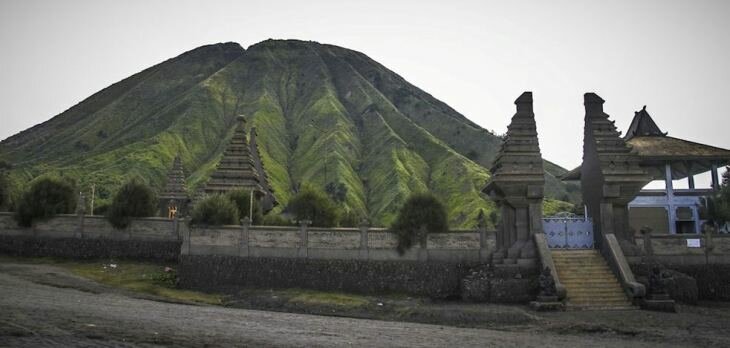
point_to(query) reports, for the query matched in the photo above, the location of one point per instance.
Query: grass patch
(147, 278)
(311, 297)
(143, 277)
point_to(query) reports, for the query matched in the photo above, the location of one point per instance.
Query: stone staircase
(589, 281)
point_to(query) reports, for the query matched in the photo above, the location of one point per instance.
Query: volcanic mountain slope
(319, 110)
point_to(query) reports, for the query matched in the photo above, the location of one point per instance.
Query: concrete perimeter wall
(674, 249)
(362, 259)
(88, 237)
(708, 264)
(364, 243)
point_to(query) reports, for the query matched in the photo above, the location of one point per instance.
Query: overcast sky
(477, 56)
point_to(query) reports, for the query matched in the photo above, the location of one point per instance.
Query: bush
(421, 212)
(242, 200)
(4, 192)
(101, 209)
(350, 219)
(716, 208)
(46, 198)
(215, 210)
(314, 205)
(276, 220)
(134, 199)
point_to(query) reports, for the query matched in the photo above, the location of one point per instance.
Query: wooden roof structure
(655, 148)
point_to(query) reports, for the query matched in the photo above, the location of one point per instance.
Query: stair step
(588, 274)
(600, 308)
(583, 301)
(577, 279)
(597, 297)
(589, 281)
(581, 290)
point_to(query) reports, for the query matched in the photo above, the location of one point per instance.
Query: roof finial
(644, 108)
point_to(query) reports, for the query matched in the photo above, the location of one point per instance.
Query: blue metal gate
(568, 232)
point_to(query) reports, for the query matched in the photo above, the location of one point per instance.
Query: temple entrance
(568, 232)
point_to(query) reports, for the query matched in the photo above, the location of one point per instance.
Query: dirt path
(84, 313)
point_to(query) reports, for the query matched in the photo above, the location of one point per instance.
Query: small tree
(314, 205)
(46, 197)
(242, 200)
(421, 213)
(276, 220)
(4, 191)
(716, 209)
(337, 191)
(216, 210)
(134, 199)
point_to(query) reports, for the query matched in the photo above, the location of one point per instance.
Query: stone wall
(364, 243)
(89, 237)
(674, 249)
(707, 265)
(231, 273)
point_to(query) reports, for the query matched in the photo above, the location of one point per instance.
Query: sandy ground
(44, 306)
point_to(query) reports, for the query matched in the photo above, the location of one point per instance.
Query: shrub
(101, 209)
(716, 209)
(46, 197)
(314, 205)
(276, 220)
(4, 192)
(337, 191)
(350, 219)
(134, 199)
(421, 213)
(215, 210)
(242, 200)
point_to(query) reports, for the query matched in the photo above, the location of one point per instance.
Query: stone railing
(546, 260)
(303, 241)
(614, 255)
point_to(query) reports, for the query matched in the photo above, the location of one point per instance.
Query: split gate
(568, 232)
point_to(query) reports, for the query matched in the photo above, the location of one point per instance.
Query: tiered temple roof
(269, 201)
(617, 162)
(175, 187)
(519, 159)
(236, 170)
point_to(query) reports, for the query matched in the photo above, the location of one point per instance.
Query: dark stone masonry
(230, 274)
(76, 248)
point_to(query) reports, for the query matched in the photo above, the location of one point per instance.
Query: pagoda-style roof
(655, 148)
(175, 187)
(643, 125)
(236, 170)
(519, 162)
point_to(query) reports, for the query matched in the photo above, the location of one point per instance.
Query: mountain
(319, 110)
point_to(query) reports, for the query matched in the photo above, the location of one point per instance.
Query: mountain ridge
(317, 109)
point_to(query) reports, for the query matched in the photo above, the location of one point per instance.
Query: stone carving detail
(657, 282)
(547, 283)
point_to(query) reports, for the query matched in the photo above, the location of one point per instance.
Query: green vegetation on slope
(323, 114)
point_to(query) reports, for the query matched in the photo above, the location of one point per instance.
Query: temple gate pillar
(610, 175)
(517, 186)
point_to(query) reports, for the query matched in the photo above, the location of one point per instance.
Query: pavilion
(666, 158)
